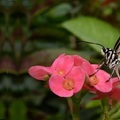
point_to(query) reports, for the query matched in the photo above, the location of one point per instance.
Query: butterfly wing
(117, 47)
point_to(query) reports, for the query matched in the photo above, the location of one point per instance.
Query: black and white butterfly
(112, 57)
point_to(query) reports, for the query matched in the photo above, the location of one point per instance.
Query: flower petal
(115, 93)
(56, 86)
(78, 60)
(39, 72)
(95, 66)
(63, 65)
(102, 85)
(57, 60)
(78, 76)
(89, 70)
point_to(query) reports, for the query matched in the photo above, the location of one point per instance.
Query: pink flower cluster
(70, 73)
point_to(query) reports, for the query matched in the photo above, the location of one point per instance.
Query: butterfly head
(104, 51)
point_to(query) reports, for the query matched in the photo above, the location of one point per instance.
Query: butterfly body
(112, 57)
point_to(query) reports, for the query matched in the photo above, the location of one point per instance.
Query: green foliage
(93, 30)
(18, 110)
(2, 110)
(60, 10)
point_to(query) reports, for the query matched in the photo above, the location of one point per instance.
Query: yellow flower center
(68, 84)
(94, 80)
(61, 72)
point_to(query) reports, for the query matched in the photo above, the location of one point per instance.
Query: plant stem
(105, 106)
(74, 109)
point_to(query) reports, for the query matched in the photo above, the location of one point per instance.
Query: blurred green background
(35, 32)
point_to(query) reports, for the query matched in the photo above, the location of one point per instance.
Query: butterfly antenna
(93, 43)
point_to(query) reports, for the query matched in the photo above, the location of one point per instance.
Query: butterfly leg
(111, 74)
(98, 68)
(101, 65)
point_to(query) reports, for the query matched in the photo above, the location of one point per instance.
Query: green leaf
(93, 30)
(60, 10)
(2, 110)
(18, 110)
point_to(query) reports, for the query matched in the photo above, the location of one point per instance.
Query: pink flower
(114, 94)
(62, 65)
(68, 85)
(87, 67)
(66, 75)
(40, 72)
(98, 80)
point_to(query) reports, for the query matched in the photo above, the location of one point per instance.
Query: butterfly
(112, 57)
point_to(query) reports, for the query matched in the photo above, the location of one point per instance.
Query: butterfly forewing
(117, 46)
